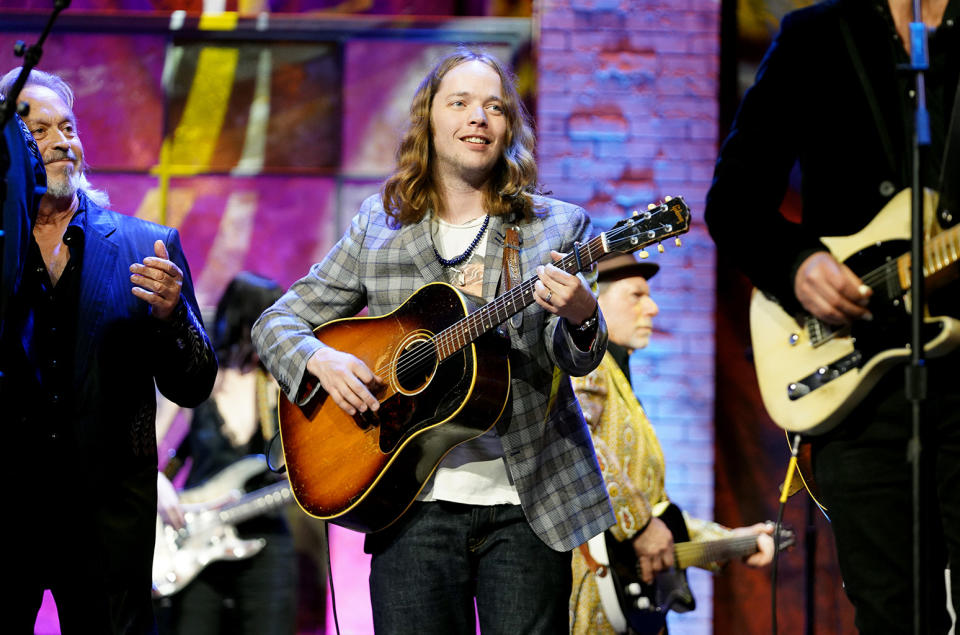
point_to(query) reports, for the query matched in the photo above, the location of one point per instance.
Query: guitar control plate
(824, 375)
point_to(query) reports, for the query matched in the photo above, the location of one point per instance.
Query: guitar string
(451, 335)
(885, 273)
(700, 553)
(430, 348)
(939, 242)
(724, 549)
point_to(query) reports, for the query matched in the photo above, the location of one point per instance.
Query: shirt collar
(75, 233)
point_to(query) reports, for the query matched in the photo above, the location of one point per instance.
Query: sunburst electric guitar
(811, 374)
(447, 380)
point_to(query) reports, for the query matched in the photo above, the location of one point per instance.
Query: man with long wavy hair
(495, 522)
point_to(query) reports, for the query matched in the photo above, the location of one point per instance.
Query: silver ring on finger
(549, 295)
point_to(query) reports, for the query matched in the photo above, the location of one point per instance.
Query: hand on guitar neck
(765, 546)
(830, 291)
(655, 547)
(562, 293)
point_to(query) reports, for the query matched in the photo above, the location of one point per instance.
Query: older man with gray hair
(105, 312)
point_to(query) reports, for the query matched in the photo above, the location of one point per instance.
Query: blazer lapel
(419, 244)
(97, 275)
(493, 259)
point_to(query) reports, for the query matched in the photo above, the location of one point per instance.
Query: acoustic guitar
(812, 374)
(446, 381)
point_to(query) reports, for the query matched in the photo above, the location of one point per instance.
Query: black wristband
(590, 322)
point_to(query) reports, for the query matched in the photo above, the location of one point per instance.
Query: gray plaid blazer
(548, 451)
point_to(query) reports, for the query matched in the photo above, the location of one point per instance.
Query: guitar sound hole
(416, 365)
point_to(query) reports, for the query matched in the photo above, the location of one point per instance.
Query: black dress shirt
(49, 330)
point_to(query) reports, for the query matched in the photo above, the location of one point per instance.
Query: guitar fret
(691, 554)
(260, 502)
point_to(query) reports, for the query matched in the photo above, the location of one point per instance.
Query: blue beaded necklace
(453, 262)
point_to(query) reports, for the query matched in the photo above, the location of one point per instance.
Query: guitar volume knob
(633, 589)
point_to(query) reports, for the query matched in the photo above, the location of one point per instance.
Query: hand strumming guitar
(830, 290)
(346, 379)
(654, 549)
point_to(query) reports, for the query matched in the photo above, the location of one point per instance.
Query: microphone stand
(916, 371)
(31, 57)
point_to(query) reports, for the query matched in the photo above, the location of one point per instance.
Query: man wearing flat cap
(628, 451)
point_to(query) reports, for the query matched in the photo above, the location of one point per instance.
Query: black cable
(333, 594)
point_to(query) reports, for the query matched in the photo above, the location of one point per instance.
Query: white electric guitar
(812, 374)
(212, 511)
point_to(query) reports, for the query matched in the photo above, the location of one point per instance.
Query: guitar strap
(511, 267)
(592, 564)
(511, 259)
(949, 207)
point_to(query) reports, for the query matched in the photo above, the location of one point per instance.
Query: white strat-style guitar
(812, 374)
(212, 511)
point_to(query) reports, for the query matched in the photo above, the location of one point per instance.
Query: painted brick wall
(626, 114)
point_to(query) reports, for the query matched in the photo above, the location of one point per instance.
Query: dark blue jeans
(864, 478)
(427, 571)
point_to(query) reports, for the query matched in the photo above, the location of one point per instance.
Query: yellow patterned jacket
(632, 465)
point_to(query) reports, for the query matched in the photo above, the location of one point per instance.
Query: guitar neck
(490, 315)
(670, 218)
(256, 503)
(939, 252)
(699, 554)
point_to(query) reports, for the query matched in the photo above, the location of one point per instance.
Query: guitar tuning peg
(636, 212)
(644, 253)
(651, 206)
(677, 242)
(667, 199)
(660, 248)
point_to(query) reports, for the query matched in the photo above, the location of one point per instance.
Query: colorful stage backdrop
(257, 126)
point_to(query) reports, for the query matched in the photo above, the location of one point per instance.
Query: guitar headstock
(657, 222)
